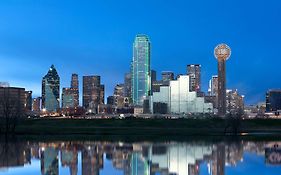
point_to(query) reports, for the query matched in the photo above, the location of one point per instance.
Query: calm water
(140, 158)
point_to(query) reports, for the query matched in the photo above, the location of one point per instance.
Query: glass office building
(51, 90)
(141, 79)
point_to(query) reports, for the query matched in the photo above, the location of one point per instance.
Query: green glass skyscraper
(51, 90)
(141, 81)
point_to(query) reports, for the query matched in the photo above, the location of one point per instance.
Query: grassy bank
(143, 127)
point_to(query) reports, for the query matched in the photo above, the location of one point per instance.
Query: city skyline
(49, 37)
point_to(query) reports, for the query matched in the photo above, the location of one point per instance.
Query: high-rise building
(28, 100)
(153, 76)
(36, 104)
(119, 95)
(167, 76)
(91, 91)
(273, 100)
(128, 85)
(194, 72)
(213, 86)
(51, 90)
(141, 78)
(222, 53)
(68, 98)
(12, 101)
(102, 94)
(234, 102)
(75, 88)
(110, 100)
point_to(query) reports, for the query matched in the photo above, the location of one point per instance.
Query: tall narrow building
(102, 94)
(51, 90)
(75, 88)
(222, 53)
(141, 78)
(128, 85)
(194, 72)
(91, 92)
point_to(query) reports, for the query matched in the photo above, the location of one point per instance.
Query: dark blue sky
(95, 37)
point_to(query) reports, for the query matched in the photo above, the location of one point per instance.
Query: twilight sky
(96, 36)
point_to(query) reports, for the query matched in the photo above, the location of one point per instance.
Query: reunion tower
(222, 53)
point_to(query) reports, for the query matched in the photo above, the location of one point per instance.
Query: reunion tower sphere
(222, 52)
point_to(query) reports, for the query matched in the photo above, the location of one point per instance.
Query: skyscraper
(222, 53)
(141, 78)
(128, 85)
(273, 100)
(194, 72)
(28, 101)
(153, 76)
(75, 88)
(36, 104)
(91, 91)
(102, 94)
(51, 90)
(167, 75)
(234, 102)
(68, 95)
(214, 86)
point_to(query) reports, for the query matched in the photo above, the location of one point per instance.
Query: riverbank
(148, 127)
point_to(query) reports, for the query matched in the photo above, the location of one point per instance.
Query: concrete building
(179, 99)
(141, 78)
(91, 92)
(128, 85)
(68, 98)
(74, 85)
(36, 104)
(110, 100)
(102, 89)
(213, 86)
(194, 72)
(119, 91)
(273, 100)
(167, 76)
(28, 101)
(12, 102)
(234, 102)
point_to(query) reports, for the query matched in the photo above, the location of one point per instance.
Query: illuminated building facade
(273, 100)
(194, 72)
(93, 92)
(222, 53)
(51, 90)
(75, 88)
(179, 99)
(12, 101)
(141, 78)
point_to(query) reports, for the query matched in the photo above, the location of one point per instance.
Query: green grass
(141, 127)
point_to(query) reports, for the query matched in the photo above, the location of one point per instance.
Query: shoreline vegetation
(147, 127)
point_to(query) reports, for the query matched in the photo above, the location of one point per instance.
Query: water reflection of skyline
(142, 158)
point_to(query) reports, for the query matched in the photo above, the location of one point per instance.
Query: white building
(179, 99)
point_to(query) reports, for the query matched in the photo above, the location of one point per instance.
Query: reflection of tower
(49, 161)
(218, 164)
(222, 53)
(70, 158)
(92, 162)
(139, 165)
